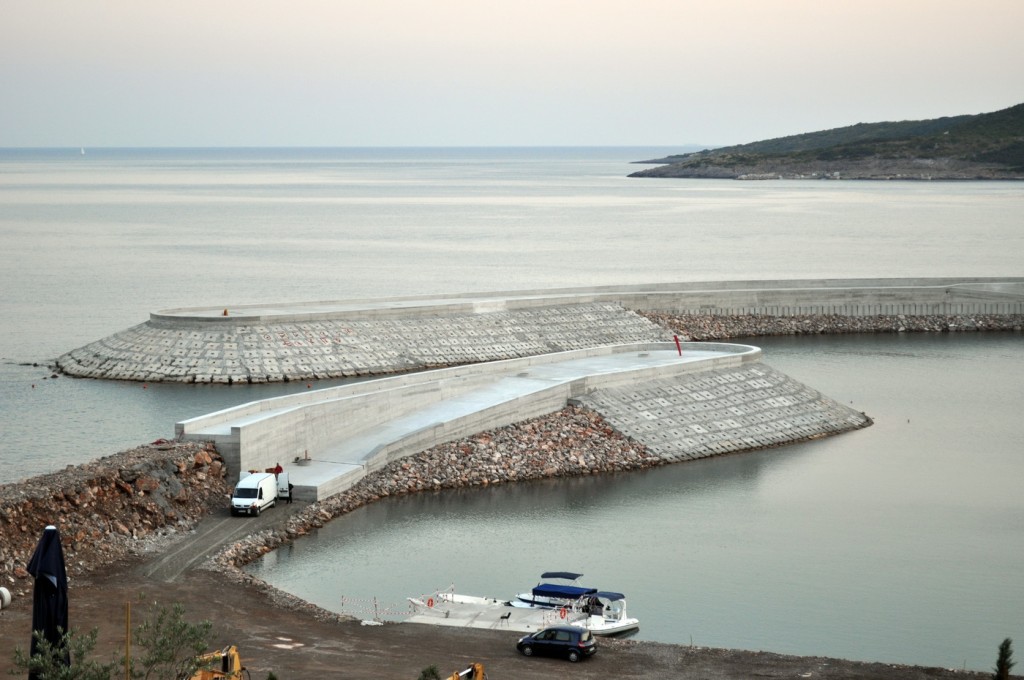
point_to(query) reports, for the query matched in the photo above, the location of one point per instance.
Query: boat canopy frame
(567, 575)
(563, 592)
(610, 596)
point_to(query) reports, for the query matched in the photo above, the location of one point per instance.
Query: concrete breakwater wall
(357, 428)
(309, 341)
(704, 400)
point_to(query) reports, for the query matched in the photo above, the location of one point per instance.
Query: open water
(901, 543)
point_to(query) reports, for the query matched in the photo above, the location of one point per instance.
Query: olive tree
(168, 649)
(50, 662)
(170, 645)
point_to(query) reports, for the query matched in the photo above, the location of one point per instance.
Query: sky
(98, 73)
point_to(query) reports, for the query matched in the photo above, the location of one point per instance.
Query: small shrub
(51, 660)
(430, 673)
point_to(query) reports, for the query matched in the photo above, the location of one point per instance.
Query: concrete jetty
(691, 401)
(343, 338)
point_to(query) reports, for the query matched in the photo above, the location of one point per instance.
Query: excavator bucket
(223, 665)
(474, 672)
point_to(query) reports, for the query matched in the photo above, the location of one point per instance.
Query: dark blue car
(567, 641)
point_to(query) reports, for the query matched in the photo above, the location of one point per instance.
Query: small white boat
(601, 612)
(606, 615)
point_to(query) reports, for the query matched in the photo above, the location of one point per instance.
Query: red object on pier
(679, 348)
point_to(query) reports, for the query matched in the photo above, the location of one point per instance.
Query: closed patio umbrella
(50, 593)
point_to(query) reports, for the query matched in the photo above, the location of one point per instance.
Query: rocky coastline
(742, 167)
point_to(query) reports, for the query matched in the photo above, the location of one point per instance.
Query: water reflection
(899, 543)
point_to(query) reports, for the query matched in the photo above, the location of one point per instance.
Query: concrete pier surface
(333, 339)
(691, 401)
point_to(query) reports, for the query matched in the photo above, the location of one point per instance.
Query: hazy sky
(489, 72)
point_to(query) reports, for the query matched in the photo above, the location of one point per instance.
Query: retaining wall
(259, 434)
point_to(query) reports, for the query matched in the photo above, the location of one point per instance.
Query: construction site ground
(293, 644)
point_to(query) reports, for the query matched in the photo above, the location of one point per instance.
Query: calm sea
(901, 542)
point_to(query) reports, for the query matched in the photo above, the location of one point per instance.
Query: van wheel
(258, 510)
(574, 656)
(527, 650)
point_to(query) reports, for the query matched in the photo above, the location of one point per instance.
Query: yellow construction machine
(474, 672)
(223, 665)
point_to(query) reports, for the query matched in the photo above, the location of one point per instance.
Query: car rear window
(586, 636)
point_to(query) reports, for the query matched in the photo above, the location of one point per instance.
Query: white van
(284, 489)
(254, 493)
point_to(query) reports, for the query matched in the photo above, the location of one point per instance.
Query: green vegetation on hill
(982, 146)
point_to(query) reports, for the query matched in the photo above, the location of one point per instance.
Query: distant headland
(986, 146)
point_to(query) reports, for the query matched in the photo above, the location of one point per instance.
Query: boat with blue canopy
(601, 611)
(555, 595)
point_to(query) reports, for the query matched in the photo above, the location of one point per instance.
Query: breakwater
(310, 341)
(687, 401)
(280, 348)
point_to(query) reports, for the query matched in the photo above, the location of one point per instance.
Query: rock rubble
(723, 326)
(109, 509)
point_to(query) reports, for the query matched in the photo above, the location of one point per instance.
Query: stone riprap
(724, 410)
(229, 352)
(725, 327)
